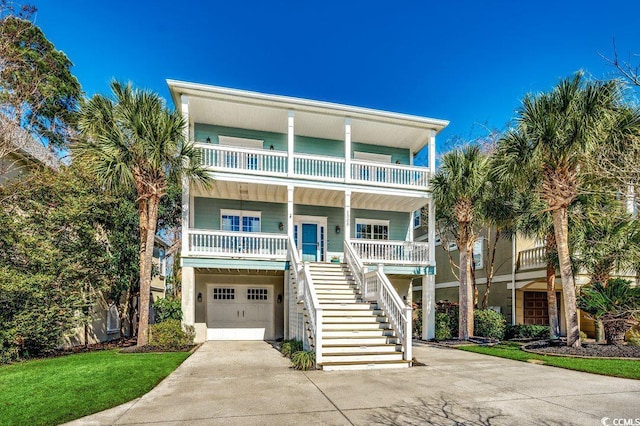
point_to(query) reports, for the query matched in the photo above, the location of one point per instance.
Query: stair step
(356, 326)
(334, 286)
(349, 313)
(335, 366)
(337, 296)
(348, 319)
(364, 357)
(348, 349)
(358, 340)
(348, 291)
(331, 332)
(348, 306)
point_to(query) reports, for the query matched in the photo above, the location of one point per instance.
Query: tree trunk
(561, 230)
(463, 327)
(552, 303)
(490, 270)
(474, 285)
(146, 258)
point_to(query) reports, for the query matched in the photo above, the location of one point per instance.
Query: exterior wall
(335, 217)
(398, 222)
(206, 213)
(499, 296)
(302, 144)
(202, 280)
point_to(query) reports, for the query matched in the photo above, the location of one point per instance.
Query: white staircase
(355, 334)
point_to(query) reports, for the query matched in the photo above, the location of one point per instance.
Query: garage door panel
(236, 312)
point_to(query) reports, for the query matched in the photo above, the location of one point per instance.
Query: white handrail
(392, 252)
(389, 174)
(329, 168)
(254, 245)
(397, 311)
(375, 286)
(532, 258)
(307, 294)
(253, 161)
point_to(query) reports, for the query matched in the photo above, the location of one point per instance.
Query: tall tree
(459, 188)
(555, 134)
(133, 141)
(38, 92)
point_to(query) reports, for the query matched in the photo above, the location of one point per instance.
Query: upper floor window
(371, 229)
(240, 220)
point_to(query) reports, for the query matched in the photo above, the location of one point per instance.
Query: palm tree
(458, 190)
(134, 143)
(554, 136)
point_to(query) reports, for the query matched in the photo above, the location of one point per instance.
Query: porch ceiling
(309, 196)
(236, 271)
(258, 111)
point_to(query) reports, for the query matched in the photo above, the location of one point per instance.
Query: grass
(629, 369)
(56, 390)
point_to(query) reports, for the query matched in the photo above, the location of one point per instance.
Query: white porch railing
(375, 286)
(389, 174)
(307, 294)
(237, 244)
(392, 252)
(532, 258)
(254, 161)
(315, 167)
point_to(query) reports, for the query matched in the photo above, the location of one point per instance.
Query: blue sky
(469, 62)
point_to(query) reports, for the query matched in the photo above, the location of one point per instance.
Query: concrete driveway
(249, 383)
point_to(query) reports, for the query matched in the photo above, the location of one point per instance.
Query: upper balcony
(263, 162)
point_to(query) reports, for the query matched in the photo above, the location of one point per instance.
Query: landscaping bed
(590, 350)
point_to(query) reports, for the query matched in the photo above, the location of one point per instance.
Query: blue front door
(310, 242)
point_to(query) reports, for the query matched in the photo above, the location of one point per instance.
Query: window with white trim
(371, 229)
(240, 220)
(417, 219)
(113, 319)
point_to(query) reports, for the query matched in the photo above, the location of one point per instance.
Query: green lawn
(55, 390)
(609, 367)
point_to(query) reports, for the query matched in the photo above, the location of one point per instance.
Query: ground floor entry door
(310, 242)
(240, 312)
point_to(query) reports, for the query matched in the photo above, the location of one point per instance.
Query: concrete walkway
(249, 383)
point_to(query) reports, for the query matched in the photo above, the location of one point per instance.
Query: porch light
(281, 226)
(337, 229)
(199, 297)
(208, 139)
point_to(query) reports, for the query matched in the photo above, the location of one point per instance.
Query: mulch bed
(113, 344)
(588, 350)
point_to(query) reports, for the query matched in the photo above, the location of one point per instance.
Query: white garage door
(237, 312)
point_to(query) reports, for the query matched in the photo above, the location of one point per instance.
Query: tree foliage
(38, 92)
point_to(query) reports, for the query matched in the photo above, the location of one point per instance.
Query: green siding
(398, 222)
(303, 144)
(318, 146)
(206, 213)
(271, 265)
(335, 217)
(202, 131)
(397, 154)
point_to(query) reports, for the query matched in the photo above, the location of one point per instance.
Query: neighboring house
(21, 153)
(159, 269)
(306, 197)
(520, 275)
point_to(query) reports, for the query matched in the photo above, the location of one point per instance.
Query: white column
(432, 152)
(431, 223)
(411, 157)
(410, 228)
(185, 183)
(290, 142)
(188, 296)
(428, 307)
(290, 190)
(347, 215)
(347, 150)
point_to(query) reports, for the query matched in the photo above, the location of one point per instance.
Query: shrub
(583, 336)
(452, 311)
(168, 308)
(529, 331)
(303, 360)
(489, 323)
(443, 330)
(633, 337)
(289, 347)
(416, 319)
(169, 335)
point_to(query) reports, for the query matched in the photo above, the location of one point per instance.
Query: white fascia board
(177, 87)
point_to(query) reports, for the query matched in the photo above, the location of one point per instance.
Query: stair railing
(375, 285)
(307, 295)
